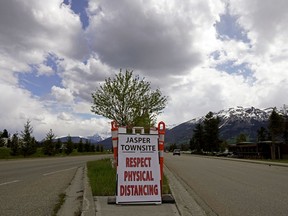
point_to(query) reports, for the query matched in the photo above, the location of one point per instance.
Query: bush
(4, 153)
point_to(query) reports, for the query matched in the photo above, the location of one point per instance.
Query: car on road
(176, 152)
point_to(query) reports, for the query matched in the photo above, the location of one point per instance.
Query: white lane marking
(11, 182)
(51, 173)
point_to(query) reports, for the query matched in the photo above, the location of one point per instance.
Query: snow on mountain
(233, 121)
(76, 139)
(95, 138)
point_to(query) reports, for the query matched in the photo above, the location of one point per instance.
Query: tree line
(206, 134)
(25, 143)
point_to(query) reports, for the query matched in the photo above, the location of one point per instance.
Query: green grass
(102, 178)
(5, 153)
(165, 187)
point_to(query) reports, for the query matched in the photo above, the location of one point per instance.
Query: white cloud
(32, 29)
(45, 70)
(173, 44)
(163, 39)
(65, 116)
(82, 78)
(62, 95)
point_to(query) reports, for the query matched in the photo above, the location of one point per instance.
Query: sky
(203, 55)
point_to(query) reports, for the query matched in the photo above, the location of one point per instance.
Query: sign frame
(138, 170)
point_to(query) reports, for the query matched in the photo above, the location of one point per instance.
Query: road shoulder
(187, 202)
(74, 195)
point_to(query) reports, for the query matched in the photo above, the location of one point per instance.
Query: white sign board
(138, 171)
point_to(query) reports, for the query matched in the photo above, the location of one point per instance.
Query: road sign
(138, 171)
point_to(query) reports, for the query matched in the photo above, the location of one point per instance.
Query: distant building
(260, 150)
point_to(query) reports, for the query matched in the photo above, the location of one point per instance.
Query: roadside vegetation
(61, 200)
(206, 140)
(24, 145)
(102, 178)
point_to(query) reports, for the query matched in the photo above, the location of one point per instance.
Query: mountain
(107, 143)
(96, 138)
(233, 121)
(75, 139)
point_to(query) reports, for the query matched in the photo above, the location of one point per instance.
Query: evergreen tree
(92, 148)
(223, 146)
(87, 146)
(5, 134)
(276, 125)
(49, 147)
(262, 134)
(69, 146)
(27, 142)
(285, 129)
(97, 148)
(211, 130)
(197, 140)
(101, 148)
(58, 146)
(4, 138)
(2, 142)
(15, 145)
(276, 130)
(80, 146)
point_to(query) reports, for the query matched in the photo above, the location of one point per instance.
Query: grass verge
(102, 178)
(5, 153)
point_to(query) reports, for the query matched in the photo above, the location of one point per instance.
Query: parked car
(176, 152)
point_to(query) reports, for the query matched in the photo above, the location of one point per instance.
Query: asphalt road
(31, 186)
(233, 188)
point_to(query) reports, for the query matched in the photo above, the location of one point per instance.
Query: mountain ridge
(233, 121)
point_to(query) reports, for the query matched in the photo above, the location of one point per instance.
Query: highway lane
(31, 186)
(233, 188)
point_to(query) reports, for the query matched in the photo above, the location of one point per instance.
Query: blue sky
(205, 56)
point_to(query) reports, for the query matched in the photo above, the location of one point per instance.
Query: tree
(198, 138)
(92, 148)
(28, 144)
(241, 138)
(5, 134)
(285, 127)
(4, 137)
(87, 146)
(101, 148)
(15, 145)
(275, 125)
(172, 147)
(211, 130)
(49, 145)
(262, 134)
(58, 146)
(98, 148)
(128, 100)
(80, 146)
(2, 142)
(223, 146)
(69, 146)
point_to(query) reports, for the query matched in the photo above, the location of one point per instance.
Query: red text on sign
(138, 162)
